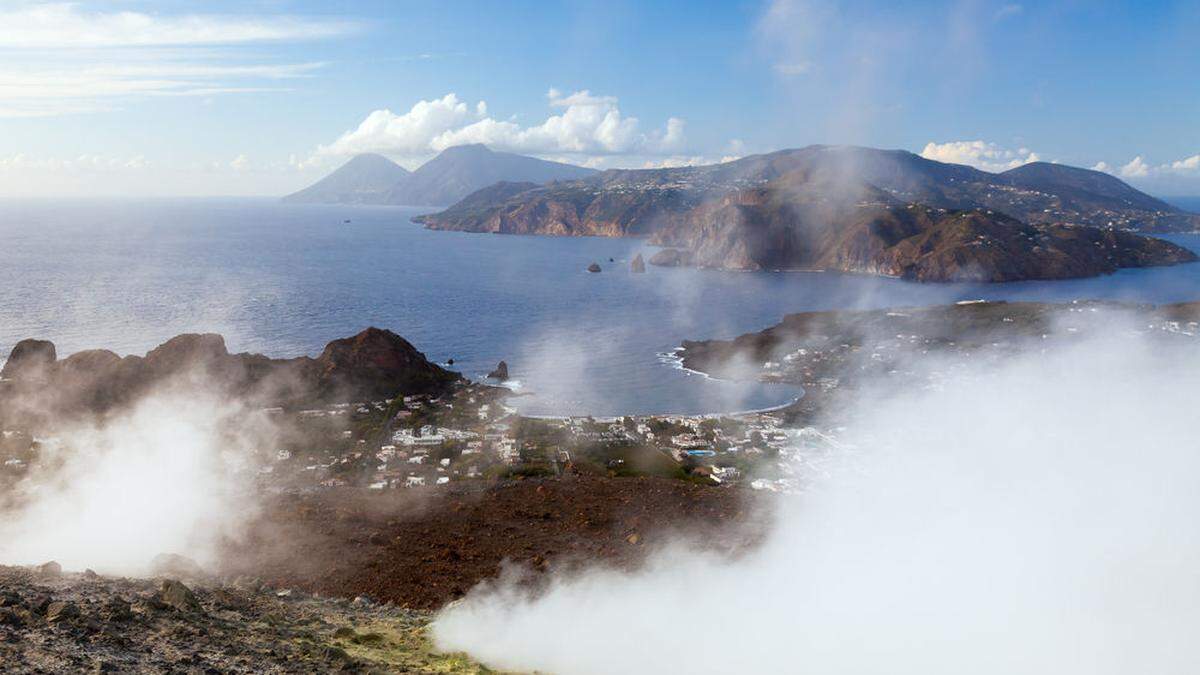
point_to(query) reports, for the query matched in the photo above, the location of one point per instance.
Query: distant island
(838, 208)
(452, 175)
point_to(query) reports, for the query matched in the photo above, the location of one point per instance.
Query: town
(473, 433)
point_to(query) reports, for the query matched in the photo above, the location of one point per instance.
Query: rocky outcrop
(671, 257)
(594, 268)
(500, 373)
(29, 360)
(376, 364)
(638, 265)
(372, 365)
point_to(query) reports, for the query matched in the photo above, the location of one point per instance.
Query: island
(850, 209)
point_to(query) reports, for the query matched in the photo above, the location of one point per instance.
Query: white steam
(1038, 518)
(171, 475)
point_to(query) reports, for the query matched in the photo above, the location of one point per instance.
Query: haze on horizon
(137, 98)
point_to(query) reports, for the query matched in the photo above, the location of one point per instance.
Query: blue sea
(284, 280)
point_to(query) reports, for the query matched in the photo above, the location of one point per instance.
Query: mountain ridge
(364, 179)
(852, 209)
(455, 173)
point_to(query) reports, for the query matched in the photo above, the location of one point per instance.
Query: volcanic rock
(50, 570)
(179, 597)
(671, 257)
(593, 268)
(500, 373)
(60, 611)
(372, 365)
(29, 360)
(638, 265)
(377, 364)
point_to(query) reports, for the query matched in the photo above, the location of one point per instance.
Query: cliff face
(763, 229)
(372, 365)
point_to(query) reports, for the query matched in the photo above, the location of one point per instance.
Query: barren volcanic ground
(421, 548)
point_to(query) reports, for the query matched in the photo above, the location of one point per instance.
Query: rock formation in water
(500, 373)
(638, 265)
(593, 268)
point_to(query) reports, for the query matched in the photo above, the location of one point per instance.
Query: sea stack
(593, 268)
(500, 373)
(638, 265)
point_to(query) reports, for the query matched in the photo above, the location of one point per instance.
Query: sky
(261, 97)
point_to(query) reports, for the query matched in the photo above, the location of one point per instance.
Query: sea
(283, 280)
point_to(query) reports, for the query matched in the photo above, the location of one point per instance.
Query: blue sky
(175, 97)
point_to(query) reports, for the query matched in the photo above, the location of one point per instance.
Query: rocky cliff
(791, 224)
(371, 365)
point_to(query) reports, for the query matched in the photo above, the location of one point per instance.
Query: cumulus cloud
(1136, 168)
(585, 125)
(1166, 174)
(1189, 164)
(979, 154)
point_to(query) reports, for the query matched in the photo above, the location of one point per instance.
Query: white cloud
(1185, 165)
(66, 26)
(240, 163)
(587, 126)
(1176, 176)
(1136, 168)
(57, 59)
(979, 154)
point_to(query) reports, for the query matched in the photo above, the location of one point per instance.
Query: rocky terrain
(452, 175)
(422, 548)
(847, 208)
(373, 364)
(51, 622)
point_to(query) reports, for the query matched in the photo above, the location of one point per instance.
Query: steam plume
(1038, 517)
(170, 475)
